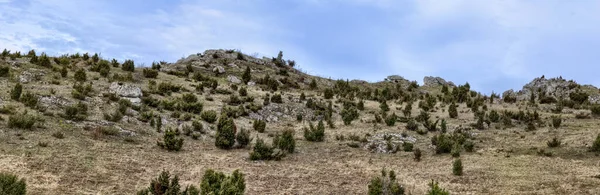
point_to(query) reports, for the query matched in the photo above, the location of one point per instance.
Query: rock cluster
(554, 87)
(430, 81)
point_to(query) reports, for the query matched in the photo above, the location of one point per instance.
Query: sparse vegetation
(385, 184)
(171, 141)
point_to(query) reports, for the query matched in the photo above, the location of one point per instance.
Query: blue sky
(494, 45)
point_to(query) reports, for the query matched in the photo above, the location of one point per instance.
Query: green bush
(595, 110)
(435, 189)
(4, 71)
(80, 75)
(246, 77)
(210, 116)
(596, 144)
(76, 112)
(259, 126)
(417, 154)
(64, 72)
(226, 130)
(243, 138)
(555, 142)
(243, 92)
(21, 121)
(81, 91)
(328, 94)
(452, 111)
(578, 97)
(349, 113)
(128, 65)
(261, 151)
(315, 134)
(442, 143)
(171, 141)
(494, 116)
(391, 119)
(217, 183)
(407, 146)
(313, 84)
(165, 185)
(276, 98)
(384, 107)
(29, 99)
(385, 184)
(150, 73)
(114, 117)
(412, 125)
(15, 93)
(11, 185)
(457, 167)
(285, 141)
(556, 121)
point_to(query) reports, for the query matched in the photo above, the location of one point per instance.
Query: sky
(494, 45)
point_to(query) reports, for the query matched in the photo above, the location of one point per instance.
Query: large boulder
(30, 76)
(219, 70)
(127, 91)
(430, 81)
(509, 93)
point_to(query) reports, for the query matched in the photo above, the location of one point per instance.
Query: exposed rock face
(127, 91)
(436, 81)
(233, 79)
(31, 75)
(395, 79)
(509, 93)
(554, 87)
(379, 144)
(54, 102)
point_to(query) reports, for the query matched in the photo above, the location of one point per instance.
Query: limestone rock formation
(430, 81)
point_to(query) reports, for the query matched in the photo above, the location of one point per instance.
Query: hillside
(89, 124)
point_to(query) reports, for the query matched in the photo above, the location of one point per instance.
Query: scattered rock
(233, 79)
(251, 83)
(54, 102)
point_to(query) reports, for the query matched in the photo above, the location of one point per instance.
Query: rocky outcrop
(558, 88)
(395, 79)
(53, 102)
(430, 81)
(30, 76)
(509, 93)
(128, 91)
(219, 70)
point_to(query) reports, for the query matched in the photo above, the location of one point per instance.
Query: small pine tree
(457, 167)
(64, 72)
(159, 124)
(435, 189)
(44, 60)
(313, 84)
(452, 111)
(214, 182)
(165, 185)
(171, 141)
(596, 144)
(259, 126)
(261, 151)
(285, 141)
(243, 138)
(80, 75)
(385, 184)
(417, 154)
(15, 94)
(246, 77)
(226, 130)
(328, 94)
(128, 65)
(315, 134)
